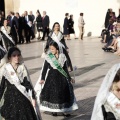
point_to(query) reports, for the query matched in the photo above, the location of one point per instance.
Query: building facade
(94, 11)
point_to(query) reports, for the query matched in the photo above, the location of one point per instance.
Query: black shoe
(109, 48)
(104, 48)
(39, 38)
(54, 114)
(22, 42)
(33, 37)
(19, 43)
(66, 115)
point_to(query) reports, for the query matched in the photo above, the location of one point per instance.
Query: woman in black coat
(39, 23)
(66, 26)
(71, 26)
(107, 18)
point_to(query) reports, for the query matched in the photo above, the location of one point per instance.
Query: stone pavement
(92, 64)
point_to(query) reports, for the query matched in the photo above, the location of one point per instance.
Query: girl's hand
(42, 82)
(33, 102)
(72, 81)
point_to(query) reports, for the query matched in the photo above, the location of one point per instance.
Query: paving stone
(92, 65)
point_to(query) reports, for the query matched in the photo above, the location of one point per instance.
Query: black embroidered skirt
(16, 106)
(57, 94)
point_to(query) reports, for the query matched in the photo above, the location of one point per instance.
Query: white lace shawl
(21, 73)
(110, 105)
(61, 60)
(57, 39)
(6, 34)
(59, 36)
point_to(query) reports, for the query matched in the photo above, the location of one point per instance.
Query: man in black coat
(27, 27)
(1, 20)
(14, 27)
(45, 22)
(20, 28)
(33, 25)
(9, 18)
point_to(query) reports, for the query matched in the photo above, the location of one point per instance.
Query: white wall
(94, 11)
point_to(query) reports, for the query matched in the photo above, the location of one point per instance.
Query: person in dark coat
(9, 18)
(39, 23)
(1, 20)
(108, 17)
(14, 27)
(20, 28)
(66, 26)
(45, 22)
(33, 25)
(118, 18)
(27, 27)
(71, 26)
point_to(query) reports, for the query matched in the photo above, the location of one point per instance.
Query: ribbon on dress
(57, 65)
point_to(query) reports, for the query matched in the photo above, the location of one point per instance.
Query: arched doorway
(2, 5)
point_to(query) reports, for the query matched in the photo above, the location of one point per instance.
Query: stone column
(12, 5)
(9, 6)
(17, 5)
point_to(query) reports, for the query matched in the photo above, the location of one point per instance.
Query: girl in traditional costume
(16, 89)
(57, 94)
(2, 49)
(6, 42)
(6, 39)
(107, 103)
(57, 36)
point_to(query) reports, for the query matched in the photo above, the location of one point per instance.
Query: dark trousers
(109, 43)
(109, 38)
(21, 39)
(45, 31)
(32, 34)
(32, 31)
(27, 33)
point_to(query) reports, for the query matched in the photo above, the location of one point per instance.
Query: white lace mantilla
(103, 93)
(110, 105)
(61, 60)
(16, 78)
